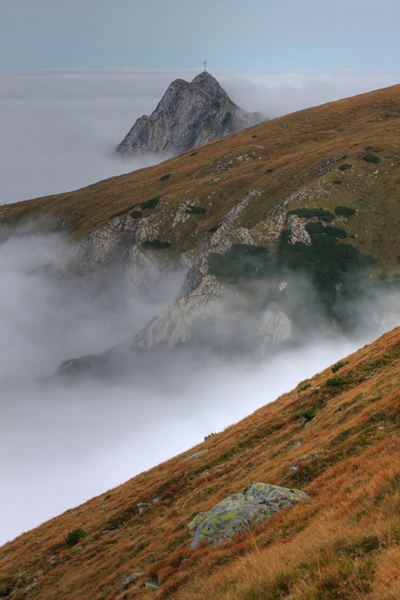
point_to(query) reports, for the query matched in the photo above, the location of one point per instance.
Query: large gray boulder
(249, 508)
(188, 115)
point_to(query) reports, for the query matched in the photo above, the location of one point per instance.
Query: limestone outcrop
(249, 508)
(187, 116)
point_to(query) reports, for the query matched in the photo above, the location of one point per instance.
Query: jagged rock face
(249, 508)
(188, 115)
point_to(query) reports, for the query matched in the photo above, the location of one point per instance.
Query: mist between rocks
(63, 440)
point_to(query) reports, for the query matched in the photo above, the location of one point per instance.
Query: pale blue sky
(271, 35)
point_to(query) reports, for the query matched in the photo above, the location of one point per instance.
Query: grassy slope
(342, 543)
(220, 173)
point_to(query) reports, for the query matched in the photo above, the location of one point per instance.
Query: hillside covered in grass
(314, 195)
(344, 153)
(336, 437)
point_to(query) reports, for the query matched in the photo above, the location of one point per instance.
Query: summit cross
(205, 66)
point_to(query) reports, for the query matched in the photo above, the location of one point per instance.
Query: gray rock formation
(249, 508)
(188, 115)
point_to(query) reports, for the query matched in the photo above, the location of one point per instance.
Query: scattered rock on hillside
(129, 580)
(188, 115)
(249, 508)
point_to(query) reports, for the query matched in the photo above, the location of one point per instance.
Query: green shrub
(152, 203)
(215, 228)
(337, 181)
(74, 536)
(339, 365)
(226, 118)
(208, 436)
(308, 414)
(122, 212)
(372, 158)
(6, 586)
(195, 210)
(255, 135)
(304, 387)
(317, 228)
(135, 214)
(269, 171)
(193, 154)
(308, 213)
(344, 211)
(369, 147)
(241, 263)
(345, 167)
(344, 157)
(337, 270)
(336, 381)
(165, 177)
(155, 245)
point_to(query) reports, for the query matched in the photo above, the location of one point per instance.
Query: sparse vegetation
(339, 365)
(195, 210)
(308, 414)
(74, 536)
(150, 204)
(122, 212)
(308, 213)
(155, 245)
(304, 387)
(344, 211)
(317, 228)
(241, 263)
(337, 270)
(372, 158)
(335, 381)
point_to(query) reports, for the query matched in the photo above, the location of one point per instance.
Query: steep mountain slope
(336, 437)
(188, 115)
(314, 193)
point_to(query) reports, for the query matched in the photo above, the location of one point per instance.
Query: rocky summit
(188, 115)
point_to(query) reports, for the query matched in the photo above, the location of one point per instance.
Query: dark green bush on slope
(372, 158)
(338, 271)
(344, 211)
(195, 210)
(317, 227)
(155, 245)
(241, 263)
(74, 536)
(308, 213)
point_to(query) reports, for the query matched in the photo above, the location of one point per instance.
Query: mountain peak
(188, 115)
(206, 82)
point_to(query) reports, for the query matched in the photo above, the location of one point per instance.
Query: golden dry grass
(344, 542)
(276, 158)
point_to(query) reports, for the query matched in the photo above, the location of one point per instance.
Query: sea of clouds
(61, 444)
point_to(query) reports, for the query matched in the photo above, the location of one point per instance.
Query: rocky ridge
(243, 193)
(187, 116)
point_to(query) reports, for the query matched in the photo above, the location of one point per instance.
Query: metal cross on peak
(205, 66)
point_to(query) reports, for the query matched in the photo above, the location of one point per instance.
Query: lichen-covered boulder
(249, 508)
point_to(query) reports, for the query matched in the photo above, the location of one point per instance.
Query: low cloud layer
(62, 442)
(60, 128)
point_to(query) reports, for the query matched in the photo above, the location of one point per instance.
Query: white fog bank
(59, 129)
(62, 444)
